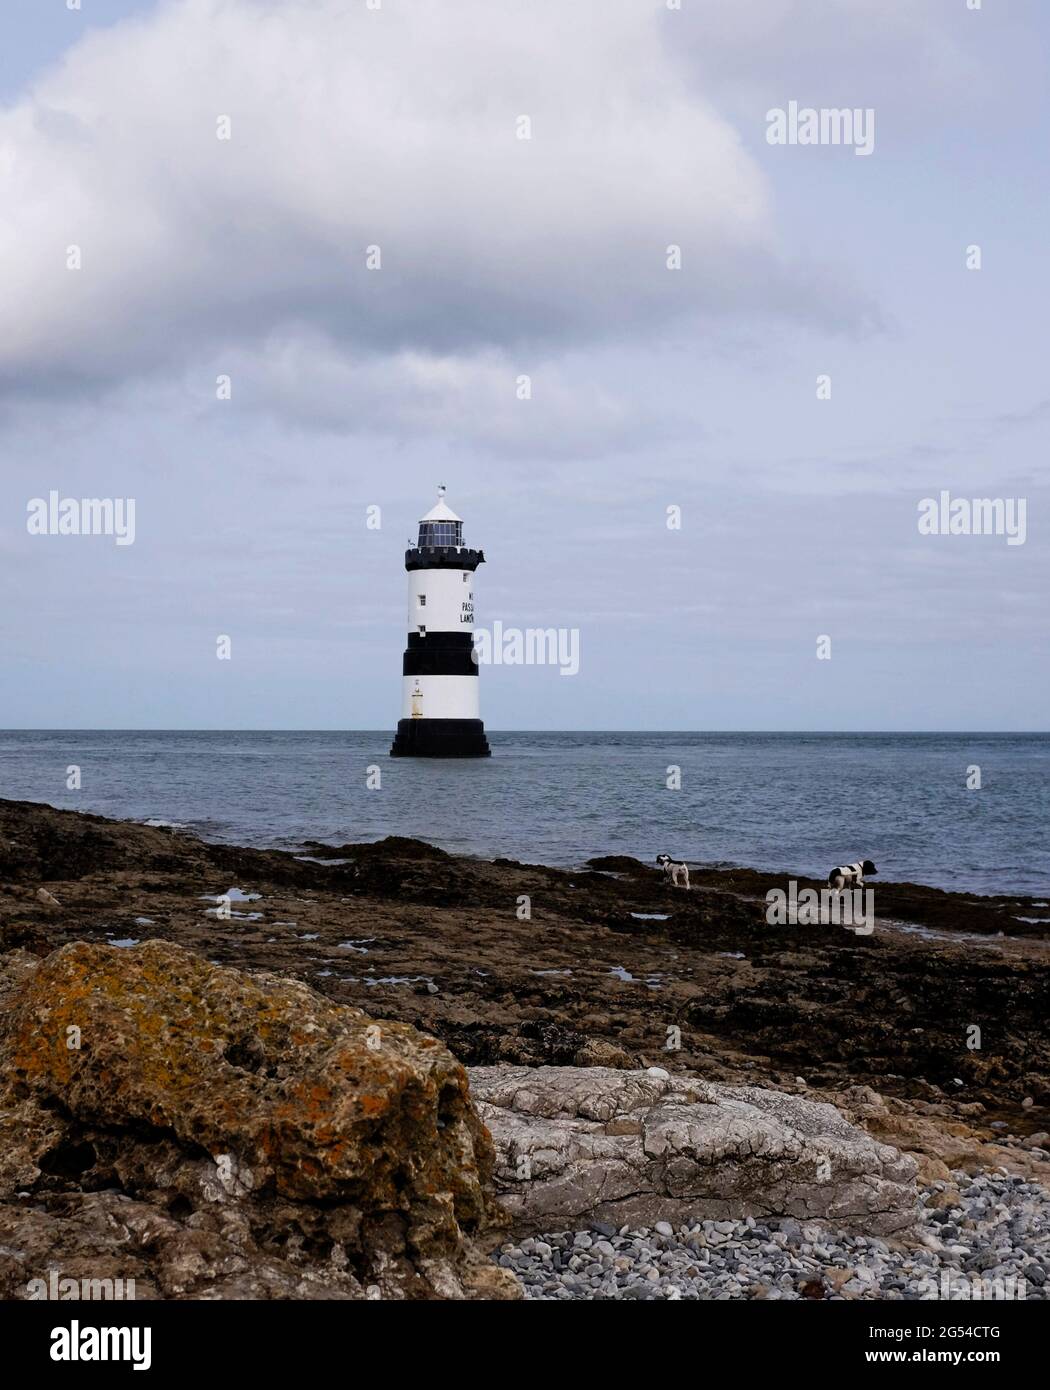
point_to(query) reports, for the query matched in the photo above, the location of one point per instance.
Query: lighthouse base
(440, 738)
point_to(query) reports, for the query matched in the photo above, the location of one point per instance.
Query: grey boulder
(579, 1144)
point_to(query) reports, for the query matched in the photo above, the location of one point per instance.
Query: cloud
(353, 128)
(572, 405)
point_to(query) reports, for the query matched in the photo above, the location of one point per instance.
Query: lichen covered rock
(282, 1142)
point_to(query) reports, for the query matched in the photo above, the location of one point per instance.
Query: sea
(784, 802)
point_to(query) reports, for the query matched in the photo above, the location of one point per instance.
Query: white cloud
(353, 127)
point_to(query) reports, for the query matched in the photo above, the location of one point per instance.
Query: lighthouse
(440, 710)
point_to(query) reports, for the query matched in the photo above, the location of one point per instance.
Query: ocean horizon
(797, 802)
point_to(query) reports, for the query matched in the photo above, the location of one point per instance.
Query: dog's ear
(869, 867)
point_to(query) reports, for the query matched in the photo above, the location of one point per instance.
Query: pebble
(988, 1226)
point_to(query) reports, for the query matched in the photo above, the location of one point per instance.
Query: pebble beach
(982, 1237)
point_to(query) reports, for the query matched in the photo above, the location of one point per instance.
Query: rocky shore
(983, 1238)
(366, 1071)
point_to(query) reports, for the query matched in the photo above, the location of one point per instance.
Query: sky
(823, 359)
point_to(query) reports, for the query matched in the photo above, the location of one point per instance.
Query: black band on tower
(440, 738)
(430, 641)
(440, 654)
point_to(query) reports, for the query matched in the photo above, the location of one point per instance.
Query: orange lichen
(162, 1033)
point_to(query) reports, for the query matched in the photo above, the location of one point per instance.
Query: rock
(16, 967)
(598, 1053)
(48, 899)
(941, 1148)
(932, 1169)
(702, 1150)
(622, 864)
(223, 1135)
(623, 1124)
(863, 1100)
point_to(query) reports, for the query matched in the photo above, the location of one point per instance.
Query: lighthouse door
(417, 701)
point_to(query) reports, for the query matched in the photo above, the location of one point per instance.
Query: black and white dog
(850, 875)
(673, 870)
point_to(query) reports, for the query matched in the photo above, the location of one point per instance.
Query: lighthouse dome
(441, 526)
(441, 511)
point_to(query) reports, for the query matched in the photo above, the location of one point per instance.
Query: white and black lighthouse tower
(440, 710)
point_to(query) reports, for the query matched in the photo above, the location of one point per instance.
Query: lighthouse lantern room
(440, 711)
